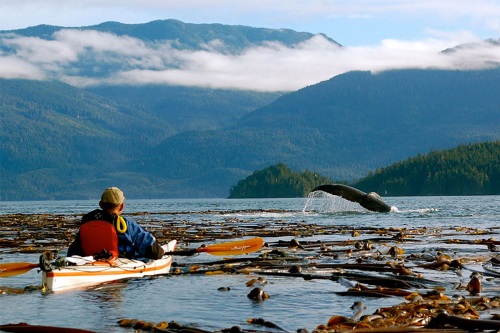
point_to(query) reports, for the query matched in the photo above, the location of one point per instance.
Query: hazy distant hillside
(189, 109)
(54, 136)
(56, 139)
(495, 42)
(163, 53)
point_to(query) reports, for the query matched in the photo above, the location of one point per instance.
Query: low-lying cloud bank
(89, 58)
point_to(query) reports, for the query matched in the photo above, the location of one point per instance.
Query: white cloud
(12, 67)
(40, 50)
(270, 67)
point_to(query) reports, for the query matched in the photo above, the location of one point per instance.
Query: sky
(375, 35)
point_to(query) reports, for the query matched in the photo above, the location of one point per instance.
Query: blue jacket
(135, 242)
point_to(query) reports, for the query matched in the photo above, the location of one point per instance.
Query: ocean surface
(195, 300)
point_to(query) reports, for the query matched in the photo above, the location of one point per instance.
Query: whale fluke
(371, 201)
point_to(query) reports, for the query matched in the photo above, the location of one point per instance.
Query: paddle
(222, 249)
(225, 249)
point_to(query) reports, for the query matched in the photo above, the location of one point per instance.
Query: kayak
(82, 272)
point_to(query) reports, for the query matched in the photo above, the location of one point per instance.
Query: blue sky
(377, 35)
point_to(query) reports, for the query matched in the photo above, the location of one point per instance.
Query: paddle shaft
(225, 249)
(181, 253)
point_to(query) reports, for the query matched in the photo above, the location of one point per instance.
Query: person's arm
(144, 243)
(75, 249)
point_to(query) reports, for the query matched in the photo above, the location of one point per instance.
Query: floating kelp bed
(448, 279)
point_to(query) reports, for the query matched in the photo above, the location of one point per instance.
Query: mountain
(54, 135)
(58, 141)
(113, 53)
(186, 35)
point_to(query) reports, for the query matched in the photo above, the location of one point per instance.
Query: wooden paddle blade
(15, 268)
(233, 248)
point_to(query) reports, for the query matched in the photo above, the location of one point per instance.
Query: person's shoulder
(90, 215)
(96, 214)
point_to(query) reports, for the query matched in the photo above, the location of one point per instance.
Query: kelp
(371, 262)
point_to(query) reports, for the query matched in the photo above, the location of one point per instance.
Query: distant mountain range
(184, 35)
(158, 141)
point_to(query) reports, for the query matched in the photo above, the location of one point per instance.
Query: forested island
(472, 169)
(277, 181)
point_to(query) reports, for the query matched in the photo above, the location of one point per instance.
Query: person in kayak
(104, 233)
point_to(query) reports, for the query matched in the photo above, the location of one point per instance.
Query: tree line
(470, 169)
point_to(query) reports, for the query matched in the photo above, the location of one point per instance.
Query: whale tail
(371, 201)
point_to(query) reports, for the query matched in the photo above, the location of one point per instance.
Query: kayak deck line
(107, 269)
(96, 272)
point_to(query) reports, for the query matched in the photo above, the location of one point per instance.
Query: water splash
(322, 202)
(419, 210)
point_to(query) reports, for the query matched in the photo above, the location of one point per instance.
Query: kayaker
(106, 234)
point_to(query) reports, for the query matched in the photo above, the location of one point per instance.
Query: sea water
(195, 300)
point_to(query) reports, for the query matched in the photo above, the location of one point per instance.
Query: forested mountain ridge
(464, 170)
(185, 35)
(189, 108)
(54, 135)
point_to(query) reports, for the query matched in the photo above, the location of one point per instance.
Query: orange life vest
(97, 236)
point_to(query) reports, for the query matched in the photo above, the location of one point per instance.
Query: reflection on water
(106, 295)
